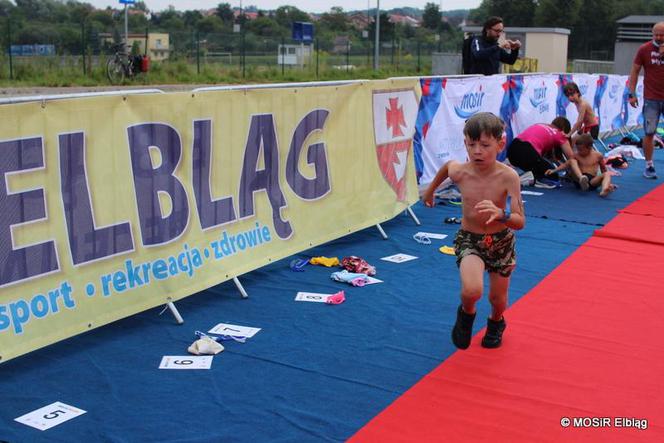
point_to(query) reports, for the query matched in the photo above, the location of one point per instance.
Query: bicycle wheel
(115, 70)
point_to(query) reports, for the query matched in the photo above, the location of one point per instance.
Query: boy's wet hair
(571, 88)
(484, 123)
(584, 140)
(562, 123)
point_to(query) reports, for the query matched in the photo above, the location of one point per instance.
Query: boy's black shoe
(494, 333)
(463, 329)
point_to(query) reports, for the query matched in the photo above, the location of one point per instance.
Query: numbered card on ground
(399, 258)
(49, 416)
(432, 235)
(234, 330)
(186, 362)
(311, 296)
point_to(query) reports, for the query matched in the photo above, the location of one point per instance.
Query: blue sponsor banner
(303, 32)
(520, 100)
(31, 50)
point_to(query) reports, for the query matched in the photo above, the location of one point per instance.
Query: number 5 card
(49, 416)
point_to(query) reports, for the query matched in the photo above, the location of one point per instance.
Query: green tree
(169, 19)
(103, 18)
(137, 22)
(594, 28)
(79, 12)
(432, 17)
(191, 18)
(335, 20)
(225, 13)
(286, 15)
(481, 13)
(266, 27)
(386, 28)
(141, 6)
(557, 13)
(211, 24)
(6, 8)
(513, 12)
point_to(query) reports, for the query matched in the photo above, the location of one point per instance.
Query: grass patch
(69, 71)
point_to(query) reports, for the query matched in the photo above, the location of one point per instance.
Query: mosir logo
(613, 91)
(538, 96)
(394, 114)
(470, 104)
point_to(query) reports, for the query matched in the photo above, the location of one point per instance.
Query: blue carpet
(314, 372)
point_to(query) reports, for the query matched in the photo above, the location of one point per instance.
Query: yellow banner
(113, 205)
(522, 64)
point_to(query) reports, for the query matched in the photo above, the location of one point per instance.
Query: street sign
(127, 2)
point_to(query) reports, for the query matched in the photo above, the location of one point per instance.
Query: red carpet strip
(586, 344)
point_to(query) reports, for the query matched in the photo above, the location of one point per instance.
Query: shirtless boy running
(485, 240)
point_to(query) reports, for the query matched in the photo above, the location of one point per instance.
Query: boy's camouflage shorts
(496, 250)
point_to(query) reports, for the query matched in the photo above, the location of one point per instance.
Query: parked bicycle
(119, 65)
(123, 65)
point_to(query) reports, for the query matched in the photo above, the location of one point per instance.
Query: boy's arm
(601, 163)
(579, 120)
(514, 218)
(441, 175)
(517, 218)
(560, 167)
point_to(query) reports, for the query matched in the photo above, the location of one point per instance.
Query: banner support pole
(410, 212)
(175, 312)
(240, 287)
(382, 231)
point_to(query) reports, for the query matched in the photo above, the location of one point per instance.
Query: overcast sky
(305, 5)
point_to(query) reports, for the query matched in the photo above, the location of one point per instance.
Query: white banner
(536, 102)
(611, 106)
(635, 115)
(539, 101)
(461, 98)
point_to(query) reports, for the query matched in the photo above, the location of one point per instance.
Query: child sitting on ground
(587, 122)
(585, 165)
(485, 240)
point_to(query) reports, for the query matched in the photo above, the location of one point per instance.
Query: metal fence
(197, 53)
(592, 66)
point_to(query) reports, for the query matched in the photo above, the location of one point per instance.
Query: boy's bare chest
(587, 162)
(477, 190)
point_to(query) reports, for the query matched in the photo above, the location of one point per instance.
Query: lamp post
(377, 48)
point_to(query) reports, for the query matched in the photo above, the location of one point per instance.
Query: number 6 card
(49, 416)
(186, 362)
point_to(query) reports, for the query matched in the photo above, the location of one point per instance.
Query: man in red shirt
(650, 56)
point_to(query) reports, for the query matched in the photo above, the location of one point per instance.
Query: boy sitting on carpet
(585, 165)
(485, 240)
